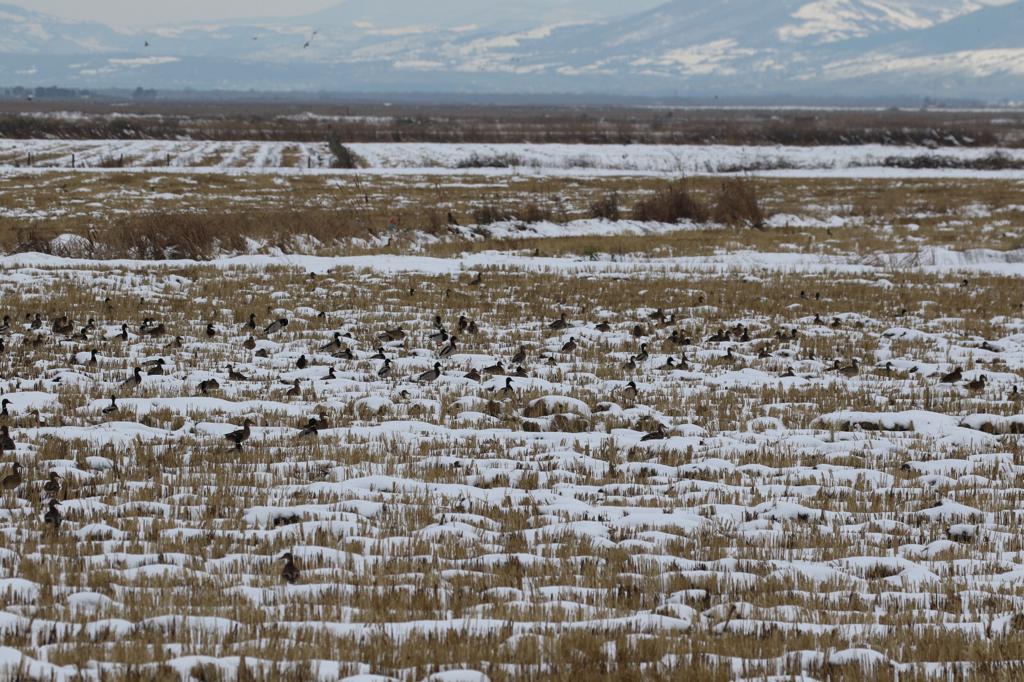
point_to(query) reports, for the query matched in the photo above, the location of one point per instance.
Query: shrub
(606, 207)
(344, 157)
(737, 203)
(671, 204)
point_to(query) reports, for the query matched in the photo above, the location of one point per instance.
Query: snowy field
(824, 481)
(492, 159)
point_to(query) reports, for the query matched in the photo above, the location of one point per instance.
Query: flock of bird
(389, 343)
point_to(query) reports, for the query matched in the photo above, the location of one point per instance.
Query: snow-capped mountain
(964, 48)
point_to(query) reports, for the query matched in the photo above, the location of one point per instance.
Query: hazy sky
(146, 12)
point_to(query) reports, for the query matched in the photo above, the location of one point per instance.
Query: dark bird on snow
(953, 377)
(290, 572)
(52, 517)
(52, 486)
(430, 375)
(208, 385)
(6, 442)
(111, 408)
(133, 382)
(13, 480)
(241, 435)
(276, 326)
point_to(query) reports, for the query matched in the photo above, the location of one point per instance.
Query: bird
(385, 370)
(657, 434)
(157, 369)
(629, 391)
(669, 364)
(430, 375)
(520, 357)
(570, 345)
(560, 323)
(630, 365)
(440, 336)
(52, 517)
(249, 343)
(211, 331)
(333, 344)
(13, 480)
(6, 442)
(643, 355)
(302, 363)
(235, 375)
(344, 354)
(494, 369)
(977, 384)
(133, 382)
(448, 350)
(330, 376)
(251, 324)
(850, 370)
(603, 327)
(276, 326)
(52, 486)
(295, 391)
(313, 426)
(290, 572)
(111, 408)
(241, 435)
(473, 375)
(208, 385)
(177, 342)
(3, 408)
(953, 377)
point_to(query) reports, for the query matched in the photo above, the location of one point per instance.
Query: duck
(952, 377)
(134, 381)
(157, 369)
(176, 343)
(463, 323)
(235, 375)
(313, 426)
(448, 350)
(295, 391)
(344, 354)
(12, 480)
(507, 390)
(560, 323)
(495, 369)
(53, 517)
(520, 357)
(122, 336)
(630, 365)
(333, 344)
(389, 335)
(379, 355)
(251, 324)
(111, 408)
(669, 364)
(657, 434)
(330, 376)
(6, 442)
(155, 330)
(570, 345)
(603, 327)
(241, 435)
(3, 408)
(440, 336)
(430, 375)
(276, 326)
(473, 375)
(52, 486)
(977, 384)
(302, 362)
(520, 372)
(385, 370)
(851, 370)
(629, 391)
(208, 385)
(211, 331)
(262, 353)
(643, 354)
(290, 572)
(249, 343)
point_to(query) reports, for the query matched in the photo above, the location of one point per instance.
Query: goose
(13, 480)
(978, 384)
(276, 326)
(560, 323)
(295, 391)
(6, 442)
(953, 377)
(208, 385)
(520, 357)
(241, 435)
(570, 345)
(249, 343)
(430, 375)
(448, 350)
(52, 486)
(473, 375)
(302, 362)
(158, 368)
(111, 408)
(290, 572)
(333, 344)
(52, 517)
(385, 370)
(133, 382)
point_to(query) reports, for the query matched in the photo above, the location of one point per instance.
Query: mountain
(965, 48)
